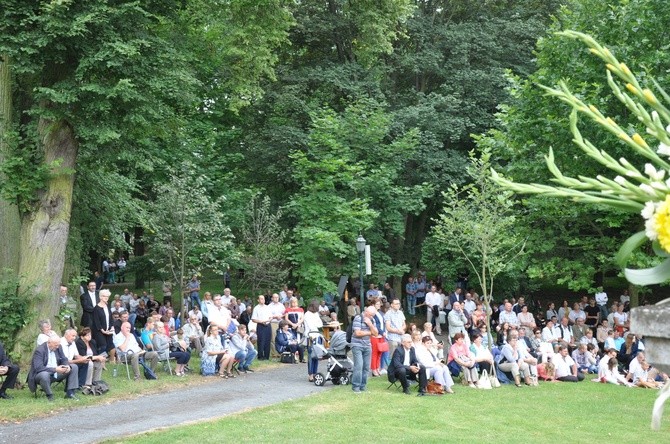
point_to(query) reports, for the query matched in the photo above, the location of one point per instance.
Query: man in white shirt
(277, 309)
(469, 305)
(69, 349)
(226, 298)
(566, 369)
(434, 299)
(563, 334)
(601, 300)
(193, 333)
(130, 351)
(508, 316)
(219, 314)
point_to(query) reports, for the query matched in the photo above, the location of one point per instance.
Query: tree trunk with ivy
(9, 212)
(44, 231)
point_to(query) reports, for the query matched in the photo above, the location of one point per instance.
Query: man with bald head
(49, 365)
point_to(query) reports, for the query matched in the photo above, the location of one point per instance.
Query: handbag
(484, 382)
(382, 345)
(434, 388)
(492, 378)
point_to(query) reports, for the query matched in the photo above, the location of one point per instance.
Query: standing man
(420, 289)
(67, 308)
(434, 303)
(457, 322)
(9, 371)
(262, 316)
(592, 315)
(277, 309)
(601, 300)
(89, 299)
(395, 325)
(122, 269)
(363, 328)
(193, 289)
(219, 314)
(410, 291)
(389, 292)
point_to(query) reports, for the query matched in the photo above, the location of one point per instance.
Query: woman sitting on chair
(161, 343)
(287, 342)
(460, 354)
(214, 352)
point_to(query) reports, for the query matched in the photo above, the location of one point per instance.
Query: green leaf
(629, 246)
(649, 276)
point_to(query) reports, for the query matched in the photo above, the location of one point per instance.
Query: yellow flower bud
(623, 136)
(649, 96)
(606, 52)
(624, 68)
(593, 109)
(611, 67)
(594, 51)
(631, 88)
(640, 141)
(610, 121)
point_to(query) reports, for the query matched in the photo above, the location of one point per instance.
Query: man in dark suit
(49, 365)
(89, 299)
(9, 371)
(404, 366)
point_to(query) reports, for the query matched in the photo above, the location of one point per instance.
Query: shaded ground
(203, 402)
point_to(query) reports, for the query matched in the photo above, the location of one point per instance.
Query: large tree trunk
(44, 231)
(10, 221)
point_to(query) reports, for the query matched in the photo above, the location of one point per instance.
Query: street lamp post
(360, 247)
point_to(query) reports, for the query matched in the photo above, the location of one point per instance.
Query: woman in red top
(461, 354)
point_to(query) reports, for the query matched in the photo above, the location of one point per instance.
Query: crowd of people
(503, 342)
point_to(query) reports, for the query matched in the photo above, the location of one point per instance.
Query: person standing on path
(262, 316)
(361, 349)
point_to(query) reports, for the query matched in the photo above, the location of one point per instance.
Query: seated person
(45, 332)
(460, 354)
(49, 365)
(602, 365)
(9, 371)
(214, 353)
(162, 342)
(91, 370)
(404, 365)
(586, 363)
(130, 350)
(635, 364)
(611, 374)
(124, 317)
(69, 349)
(512, 360)
(287, 342)
(589, 339)
(193, 333)
(118, 307)
(548, 334)
(147, 335)
(436, 347)
(566, 368)
(642, 378)
(242, 349)
(483, 356)
(434, 368)
(628, 350)
(601, 334)
(563, 334)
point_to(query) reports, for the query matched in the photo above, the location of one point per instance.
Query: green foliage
(264, 247)
(478, 224)
(13, 309)
(570, 244)
(188, 229)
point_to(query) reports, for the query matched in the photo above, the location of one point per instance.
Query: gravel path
(208, 401)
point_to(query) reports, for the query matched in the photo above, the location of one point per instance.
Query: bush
(13, 309)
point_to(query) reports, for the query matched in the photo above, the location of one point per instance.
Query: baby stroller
(339, 366)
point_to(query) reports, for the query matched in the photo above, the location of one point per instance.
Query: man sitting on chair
(9, 371)
(130, 350)
(404, 365)
(49, 365)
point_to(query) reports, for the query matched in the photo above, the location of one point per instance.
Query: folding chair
(123, 358)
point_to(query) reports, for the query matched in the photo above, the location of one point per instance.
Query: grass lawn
(565, 412)
(25, 406)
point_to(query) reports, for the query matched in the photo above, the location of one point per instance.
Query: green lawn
(554, 412)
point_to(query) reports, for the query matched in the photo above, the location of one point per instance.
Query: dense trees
(350, 116)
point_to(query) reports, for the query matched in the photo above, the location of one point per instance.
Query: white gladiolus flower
(648, 189)
(621, 181)
(648, 210)
(663, 149)
(653, 174)
(650, 229)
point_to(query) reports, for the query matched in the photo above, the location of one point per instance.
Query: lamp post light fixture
(360, 247)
